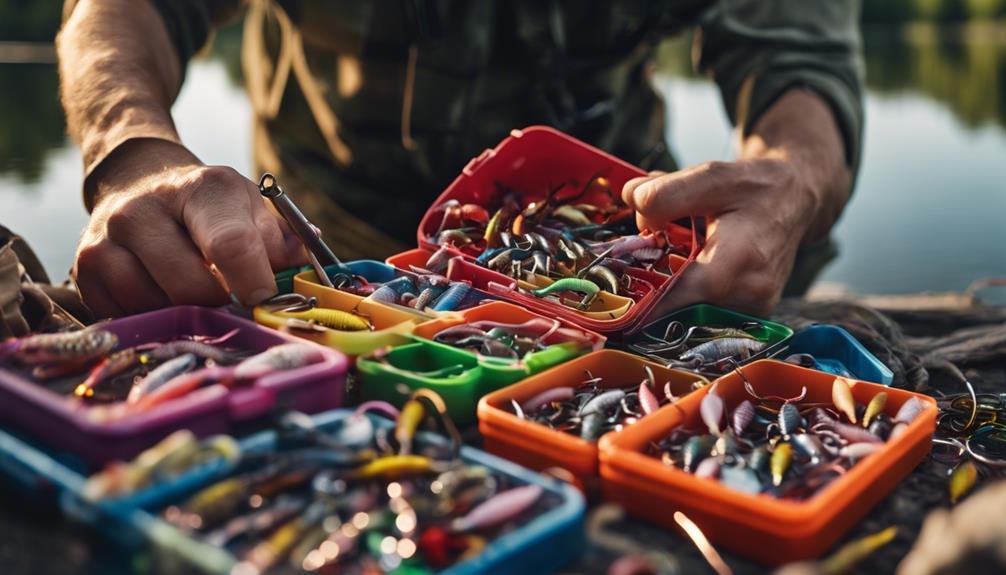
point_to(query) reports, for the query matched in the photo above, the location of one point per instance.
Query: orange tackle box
(538, 447)
(769, 530)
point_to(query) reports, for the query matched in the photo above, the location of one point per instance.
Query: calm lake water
(928, 212)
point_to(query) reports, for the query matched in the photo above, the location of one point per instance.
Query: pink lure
(499, 508)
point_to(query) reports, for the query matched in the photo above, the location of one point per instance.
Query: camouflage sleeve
(757, 49)
(188, 22)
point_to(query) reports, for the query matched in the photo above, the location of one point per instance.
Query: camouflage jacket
(386, 100)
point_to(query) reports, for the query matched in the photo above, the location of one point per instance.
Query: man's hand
(789, 185)
(166, 229)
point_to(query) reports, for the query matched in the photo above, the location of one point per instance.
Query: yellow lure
(841, 396)
(781, 457)
(850, 554)
(962, 479)
(874, 408)
(330, 318)
(392, 466)
(408, 421)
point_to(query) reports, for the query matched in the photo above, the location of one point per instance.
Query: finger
(703, 190)
(282, 245)
(725, 273)
(170, 258)
(96, 297)
(112, 271)
(222, 225)
(630, 187)
(130, 285)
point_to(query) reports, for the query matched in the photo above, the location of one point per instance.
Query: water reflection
(31, 120)
(964, 68)
(915, 152)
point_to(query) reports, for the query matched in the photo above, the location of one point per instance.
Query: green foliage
(29, 20)
(900, 11)
(887, 11)
(966, 73)
(985, 9)
(31, 120)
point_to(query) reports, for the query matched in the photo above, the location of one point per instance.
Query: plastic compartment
(543, 545)
(503, 312)
(306, 283)
(540, 447)
(768, 530)
(70, 426)
(835, 350)
(392, 324)
(774, 334)
(405, 365)
(531, 160)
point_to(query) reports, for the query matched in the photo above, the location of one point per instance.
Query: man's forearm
(801, 129)
(119, 75)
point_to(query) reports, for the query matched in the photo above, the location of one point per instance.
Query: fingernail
(260, 295)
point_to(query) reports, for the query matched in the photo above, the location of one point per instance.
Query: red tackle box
(532, 161)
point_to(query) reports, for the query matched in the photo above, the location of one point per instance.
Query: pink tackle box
(77, 429)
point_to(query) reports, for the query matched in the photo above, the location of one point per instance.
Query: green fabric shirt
(486, 67)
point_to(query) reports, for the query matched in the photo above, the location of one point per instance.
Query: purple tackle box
(77, 430)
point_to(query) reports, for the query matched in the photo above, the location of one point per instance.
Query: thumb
(704, 190)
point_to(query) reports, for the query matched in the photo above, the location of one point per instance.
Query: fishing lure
(556, 394)
(625, 245)
(452, 298)
(282, 357)
(331, 318)
(392, 291)
(781, 457)
(586, 287)
(722, 348)
(593, 412)
(499, 509)
(874, 408)
(742, 416)
(395, 466)
(695, 450)
(113, 365)
(408, 421)
(647, 400)
(53, 354)
(962, 480)
(161, 375)
(910, 410)
(841, 396)
(789, 419)
(711, 410)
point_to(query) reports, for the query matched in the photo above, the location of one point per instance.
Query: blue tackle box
(836, 351)
(542, 545)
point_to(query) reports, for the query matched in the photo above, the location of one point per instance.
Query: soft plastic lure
(588, 288)
(331, 318)
(54, 354)
(452, 298)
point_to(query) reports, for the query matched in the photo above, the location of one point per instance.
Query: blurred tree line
(31, 120)
(899, 11)
(962, 67)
